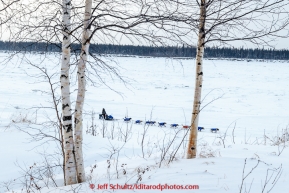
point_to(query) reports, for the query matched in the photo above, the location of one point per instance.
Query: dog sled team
(107, 117)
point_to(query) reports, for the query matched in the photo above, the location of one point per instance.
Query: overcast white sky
(280, 43)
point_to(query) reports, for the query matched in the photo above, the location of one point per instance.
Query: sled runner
(109, 118)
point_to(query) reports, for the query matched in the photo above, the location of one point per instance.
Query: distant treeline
(161, 51)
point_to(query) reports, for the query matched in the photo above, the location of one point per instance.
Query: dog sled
(105, 116)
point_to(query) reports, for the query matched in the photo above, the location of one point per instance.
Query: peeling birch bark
(193, 137)
(81, 92)
(70, 169)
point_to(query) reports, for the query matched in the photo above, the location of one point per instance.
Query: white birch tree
(81, 91)
(70, 167)
(223, 21)
(192, 146)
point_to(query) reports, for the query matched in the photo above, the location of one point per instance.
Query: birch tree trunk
(192, 144)
(81, 92)
(70, 169)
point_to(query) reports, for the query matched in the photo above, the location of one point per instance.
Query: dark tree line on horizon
(161, 51)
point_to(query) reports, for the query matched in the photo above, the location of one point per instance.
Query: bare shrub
(23, 117)
(280, 140)
(271, 178)
(207, 151)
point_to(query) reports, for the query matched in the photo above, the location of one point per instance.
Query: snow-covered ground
(247, 101)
